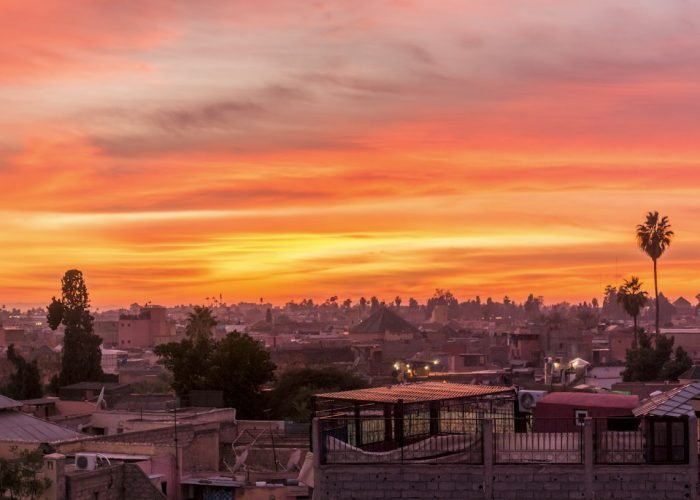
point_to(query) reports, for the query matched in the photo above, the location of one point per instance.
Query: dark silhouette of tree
(653, 238)
(81, 360)
(25, 382)
(646, 363)
(363, 304)
(412, 304)
(292, 393)
(632, 298)
(347, 303)
(398, 301)
(443, 298)
(237, 365)
(200, 323)
(374, 304)
(532, 306)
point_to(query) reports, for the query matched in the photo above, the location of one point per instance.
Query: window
(580, 416)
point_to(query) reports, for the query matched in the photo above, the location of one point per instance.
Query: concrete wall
(118, 482)
(469, 482)
(490, 481)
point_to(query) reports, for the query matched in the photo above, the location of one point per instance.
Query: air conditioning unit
(527, 400)
(86, 461)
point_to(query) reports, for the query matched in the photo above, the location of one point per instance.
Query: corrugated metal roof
(673, 403)
(7, 403)
(18, 426)
(416, 393)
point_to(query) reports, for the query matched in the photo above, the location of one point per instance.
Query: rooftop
(673, 403)
(417, 393)
(384, 320)
(18, 426)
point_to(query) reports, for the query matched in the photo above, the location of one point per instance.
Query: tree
(82, 357)
(25, 382)
(653, 237)
(293, 391)
(645, 362)
(412, 304)
(236, 365)
(374, 304)
(398, 301)
(200, 323)
(18, 476)
(632, 298)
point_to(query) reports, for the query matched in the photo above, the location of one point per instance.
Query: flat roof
(417, 393)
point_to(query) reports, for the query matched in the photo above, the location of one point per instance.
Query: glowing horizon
(174, 151)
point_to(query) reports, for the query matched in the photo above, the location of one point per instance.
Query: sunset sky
(173, 150)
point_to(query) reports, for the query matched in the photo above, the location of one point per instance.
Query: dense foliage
(237, 365)
(18, 476)
(648, 362)
(290, 399)
(82, 357)
(25, 382)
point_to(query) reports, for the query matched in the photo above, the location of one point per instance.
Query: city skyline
(172, 151)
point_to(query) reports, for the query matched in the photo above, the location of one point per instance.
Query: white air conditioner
(86, 461)
(527, 400)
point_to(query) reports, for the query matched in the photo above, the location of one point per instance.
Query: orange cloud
(379, 148)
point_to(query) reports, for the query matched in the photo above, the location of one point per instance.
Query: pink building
(148, 328)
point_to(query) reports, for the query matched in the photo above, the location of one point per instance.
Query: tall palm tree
(632, 298)
(653, 237)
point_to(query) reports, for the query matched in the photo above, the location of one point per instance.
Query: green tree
(25, 382)
(200, 323)
(646, 363)
(632, 298)
(237, 365)
(82, 357)
(19, 475)
(240, 367)
(653, 238)
(294, 388)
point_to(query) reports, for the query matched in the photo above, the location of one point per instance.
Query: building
(148, 328)
(455, 456)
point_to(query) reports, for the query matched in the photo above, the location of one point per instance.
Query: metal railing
(413, 439)
(418, 438)
(618, 440)
(551, 440)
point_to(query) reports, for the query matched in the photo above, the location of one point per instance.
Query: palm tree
(632, 298)
(200, 323)
(653, 237)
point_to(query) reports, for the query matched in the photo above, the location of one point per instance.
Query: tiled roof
(416, 393)
(673, 403)
(384, 320)
(18, 426)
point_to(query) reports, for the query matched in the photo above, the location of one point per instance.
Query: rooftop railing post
(398, 425)
(317, 442)
(588, 456)
(358, 426)
(693, 455)
(487, 454)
